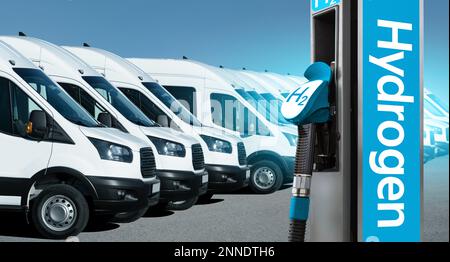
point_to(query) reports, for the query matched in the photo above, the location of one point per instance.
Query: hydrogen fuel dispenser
(365, 153)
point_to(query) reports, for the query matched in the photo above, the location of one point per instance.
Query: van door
(21, 156)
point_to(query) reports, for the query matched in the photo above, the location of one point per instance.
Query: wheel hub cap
(59, 213)
(264, 177)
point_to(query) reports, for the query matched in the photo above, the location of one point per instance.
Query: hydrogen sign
(391, 123)
(319, 5)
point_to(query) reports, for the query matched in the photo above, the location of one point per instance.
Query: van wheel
(266, 177)
(60, 211)
(182, 205)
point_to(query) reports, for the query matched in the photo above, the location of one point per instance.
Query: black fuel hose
(302, 183)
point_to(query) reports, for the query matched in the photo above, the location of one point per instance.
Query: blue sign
(391, 124)
(319, 5)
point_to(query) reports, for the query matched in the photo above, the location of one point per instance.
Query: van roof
(267, 82)
(231, 77)
(249, 82)
(10, 58)
(114, 67)
(297, 79)
(54, 59)
(178, 67)
(284, 81)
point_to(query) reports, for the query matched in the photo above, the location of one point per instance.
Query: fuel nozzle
(306, 106)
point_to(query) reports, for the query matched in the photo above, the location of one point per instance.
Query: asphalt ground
(241, 216)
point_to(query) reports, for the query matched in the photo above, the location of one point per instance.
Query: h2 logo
(301, 98)
(296, 101)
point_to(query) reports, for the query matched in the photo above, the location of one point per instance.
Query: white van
(297, 79)
(262, 100)
(287, 83)
(271, 153)
(430, 150)
(441, 135)
(179, 159)
(57, 163)
(434, 108)
(272, 86)
(279, 85)
(225, 155)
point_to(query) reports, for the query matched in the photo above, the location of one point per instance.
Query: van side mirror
(37, 124)
(105, 119)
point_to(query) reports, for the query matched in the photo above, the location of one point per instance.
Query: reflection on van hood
(209, 131)
(115, 136)
(170, 134)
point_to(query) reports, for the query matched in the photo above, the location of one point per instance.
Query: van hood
(115, 136)
(170, 134)
(209, 131)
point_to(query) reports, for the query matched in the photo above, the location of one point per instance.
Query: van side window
(185, 95)
(231, 114)
(22, 106)
(149, 108)
(5, 107)
(84, 99)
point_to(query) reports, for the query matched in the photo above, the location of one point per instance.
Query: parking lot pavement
(242, 216)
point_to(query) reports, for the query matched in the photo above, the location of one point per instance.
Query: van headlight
(111, 151)
(168, 148)
(293, 139)
(217, 145)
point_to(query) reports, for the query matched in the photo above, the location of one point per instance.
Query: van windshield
(169, 101)
(119, 101)
(56, 97)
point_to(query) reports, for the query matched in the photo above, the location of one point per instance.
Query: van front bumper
(122, 196)
(224, 179)
(181, 185)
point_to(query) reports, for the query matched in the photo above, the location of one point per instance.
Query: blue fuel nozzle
(309, 103)
(306, 106)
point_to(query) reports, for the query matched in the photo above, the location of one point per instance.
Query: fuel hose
(302, 183)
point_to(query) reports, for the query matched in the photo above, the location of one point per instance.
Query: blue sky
(257, 34)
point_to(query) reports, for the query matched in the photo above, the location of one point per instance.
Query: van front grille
(148, 164)
(242, 154)
(198, 160)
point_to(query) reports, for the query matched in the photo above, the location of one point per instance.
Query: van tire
(182, 205)
(271, 172)
(76, 204)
